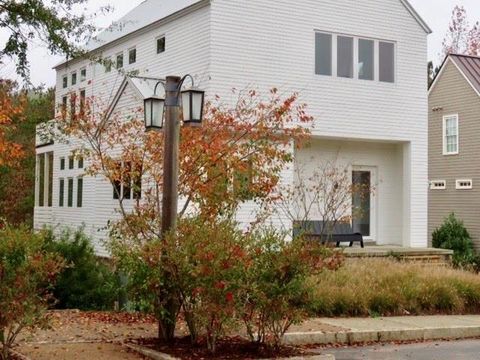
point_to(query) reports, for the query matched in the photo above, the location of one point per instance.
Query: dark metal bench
(340, 233)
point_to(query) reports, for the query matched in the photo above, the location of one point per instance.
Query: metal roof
(470, 67)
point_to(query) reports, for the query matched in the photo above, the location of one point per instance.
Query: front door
(363, 201)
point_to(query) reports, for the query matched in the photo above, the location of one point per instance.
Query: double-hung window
(450, 135)
(45, 180)
(161, 44)
(119, 62)
(132, 56)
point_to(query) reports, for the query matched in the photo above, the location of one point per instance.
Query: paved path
(455, 350)
(358, 330)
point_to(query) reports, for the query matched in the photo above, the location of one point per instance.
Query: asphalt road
(454, 350)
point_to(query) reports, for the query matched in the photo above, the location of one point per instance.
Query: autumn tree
(237, 156)
(11, 107)
(53, 23)
(462, 37)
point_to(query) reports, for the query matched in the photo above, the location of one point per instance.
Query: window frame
(459, 186)
(61, 192)
(438, 185)
(117, 56)
(80, 188)
(65, 81)
(164, 37)
(44, 179)
(83, 74)
(378, 42)
(444, 135)
(133, 49)
(73, 75)
(107, 65)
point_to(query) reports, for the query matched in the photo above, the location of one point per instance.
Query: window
(464, 184)
(70, 193)
(62, 163)
(82, 101)
(120, 61)
(366, 62)
(130, 184)
(74, 78)
(64, 107)
(83, 74)
(438, 185)
(345, 57)
(61, 192)
(71, 162)
(132, 56)
(45, 179)
(323, 54)
(108, 64)
(386, 52)
(65, 81)
(161, 45)
(73, 105)
(450, 135)
(80, 192)
(80, 162)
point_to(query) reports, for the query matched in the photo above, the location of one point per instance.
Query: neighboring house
(454, 146)
(359, 65)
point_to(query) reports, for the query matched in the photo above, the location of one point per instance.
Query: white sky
(437, 14)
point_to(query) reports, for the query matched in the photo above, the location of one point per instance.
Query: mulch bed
(233, 348)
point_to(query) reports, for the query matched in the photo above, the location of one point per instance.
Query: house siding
(454, 95)
(264, 44)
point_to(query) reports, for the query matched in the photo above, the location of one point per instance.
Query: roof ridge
(465, 55)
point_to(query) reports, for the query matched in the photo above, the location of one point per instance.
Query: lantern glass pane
(197, 106)
(148, 113)
(186, 106)
(157, 113)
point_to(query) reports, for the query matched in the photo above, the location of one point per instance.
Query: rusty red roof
(470, 67)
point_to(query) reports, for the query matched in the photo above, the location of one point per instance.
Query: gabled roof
(416, 16)
(469, 67)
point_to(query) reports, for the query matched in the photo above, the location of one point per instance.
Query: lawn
(372, 287)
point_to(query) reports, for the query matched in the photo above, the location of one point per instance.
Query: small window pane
(61, 192)
(108, 65)
(80, 163)
(132, 56)
(119, 61)
(387, 62)
(74, 78)
(345, 57)
(41, 180)
(323, 54)
(62, 163)
(70, 162)
(79, 192)
(160, 45)
(82, 101)
(65, 81)
(70, 193)
(365, 59)
(83, 74)
(73, 105)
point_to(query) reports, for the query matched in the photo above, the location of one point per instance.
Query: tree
(54, 23)
(17, 206)
(432, 72)
(461, 37)
(239, 154)
(11, 107)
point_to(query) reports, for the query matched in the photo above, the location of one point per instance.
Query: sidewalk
(360, 330)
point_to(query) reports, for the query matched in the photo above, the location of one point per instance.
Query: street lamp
(192, 103)
(154, 110)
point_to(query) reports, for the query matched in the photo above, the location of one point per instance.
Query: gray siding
(455, 96)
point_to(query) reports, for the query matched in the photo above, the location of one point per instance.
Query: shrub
(385, 287)
(454, 236)
(26, 274)
(87, 282)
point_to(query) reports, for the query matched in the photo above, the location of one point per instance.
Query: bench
(314, 230)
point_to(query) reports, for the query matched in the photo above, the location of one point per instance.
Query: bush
(454, 236)
(87, 283)
(386, 287)
(26, 275)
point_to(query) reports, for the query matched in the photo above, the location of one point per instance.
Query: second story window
(132, 56)
(107, 63)
(83, 74)
(82, 101)
(354, 57)
(450, 135)
(65, 81)
(74, 78)
(119, 62)
(64, 107)
(161, 45)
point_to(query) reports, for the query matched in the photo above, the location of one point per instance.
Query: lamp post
(164, 114)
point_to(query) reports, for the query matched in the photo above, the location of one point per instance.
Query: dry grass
(373, 287)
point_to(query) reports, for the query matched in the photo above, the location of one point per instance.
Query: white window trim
(458, 184)
(76, 78)
(81, 70)
(163, 36)
(438, 185)
(376, 57)
(123, 60)
(64, 84)
(444, 135)
(129, 50)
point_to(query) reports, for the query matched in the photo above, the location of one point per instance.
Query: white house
(359, 65)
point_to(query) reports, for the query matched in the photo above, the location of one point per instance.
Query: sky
(436, 13)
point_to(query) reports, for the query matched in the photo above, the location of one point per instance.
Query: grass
(372, 287)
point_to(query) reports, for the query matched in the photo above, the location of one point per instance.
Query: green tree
(54, 23)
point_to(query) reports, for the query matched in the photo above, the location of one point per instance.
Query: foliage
(387, 288)
(277, 293)
(26, 273)
(54, 23)
(87, 282)
(17, 206)
(454, 236)
(11, 107)
(461, 37)
(253, 140)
